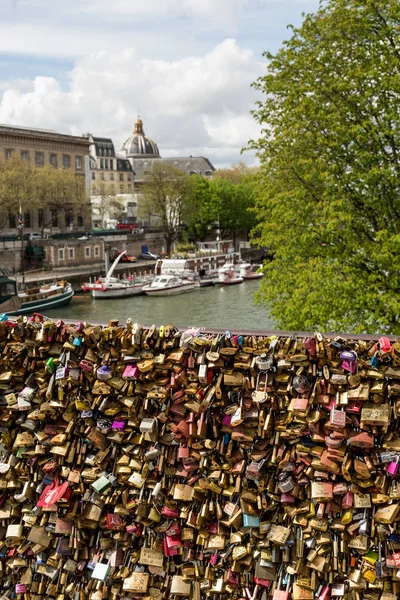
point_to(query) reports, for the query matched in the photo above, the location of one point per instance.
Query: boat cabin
(8, 288)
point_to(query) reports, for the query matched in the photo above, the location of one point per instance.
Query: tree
(200, 214)
(59, 194)
(235, 174)
(107, 204)
(328, 194)
(166, 198)
(53, 191)
(16, 186)
(225, 202)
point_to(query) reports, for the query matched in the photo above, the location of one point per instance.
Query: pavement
(92, 271)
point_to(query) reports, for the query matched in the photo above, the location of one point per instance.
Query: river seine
(229, 307)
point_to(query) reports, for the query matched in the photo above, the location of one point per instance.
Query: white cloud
(196, 105)
(217, 9)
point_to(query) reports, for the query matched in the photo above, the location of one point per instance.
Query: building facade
(111, 185)
(43, 148)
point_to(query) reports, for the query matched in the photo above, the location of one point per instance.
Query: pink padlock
(347, 501)
(384, 344)
(169, 551)
(21, 588)
(183, 452)
(393, 467)
(183, 428)
(214, 559)
(227, 420)
(173, 541)
(325, 593)
(311, 346)
(287, 498)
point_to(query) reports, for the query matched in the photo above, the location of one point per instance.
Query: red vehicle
(129, 227)
(127, 258)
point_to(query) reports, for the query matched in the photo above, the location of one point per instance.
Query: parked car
(149, 256)
(38, 236)
(127, 258)
(129, 227)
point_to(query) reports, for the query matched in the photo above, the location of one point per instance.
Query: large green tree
(226, 201)
(329, 187)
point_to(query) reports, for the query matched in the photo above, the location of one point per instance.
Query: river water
(229, 307)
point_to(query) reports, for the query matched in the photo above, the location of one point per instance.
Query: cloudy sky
(185, 66)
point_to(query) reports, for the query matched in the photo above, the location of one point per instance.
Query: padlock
(282, 594)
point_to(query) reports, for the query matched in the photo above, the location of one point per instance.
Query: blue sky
(185, 65)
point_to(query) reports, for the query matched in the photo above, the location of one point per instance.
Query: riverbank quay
(77, 276)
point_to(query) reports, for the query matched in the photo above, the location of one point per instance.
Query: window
(54, 217)
(111, 162)
(80, 221)
(66, 161)
(129, 187)
(93, 175)
(78, 162)
(39, 159)
(24, 154)
(100, 151)
(106, 163)
(129, 177)
(87, 251)
(101, 163)
(68, 217)
(111, 176)
(8, 152)
(97, 250)
(121, 176)
(71, 253)
(53, 160)
(12, 221)
(121, 189)
(61, 254)
(40, 217)
(27, 219)
(101, 175)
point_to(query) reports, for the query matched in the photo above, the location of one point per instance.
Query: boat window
(7, 289)
(163, 280)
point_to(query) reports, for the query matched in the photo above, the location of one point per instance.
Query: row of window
(104, 164)
(53, 158)
(105, 152)
(12, 219)
(63, 253)
(122, 189)
(111, 176)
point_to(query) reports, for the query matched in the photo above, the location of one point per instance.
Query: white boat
(227, 275)
(249, 271)
(112, 287)
(168, 285)
(33, 299)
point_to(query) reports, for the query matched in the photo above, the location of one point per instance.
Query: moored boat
(249, 271)
(33, 299)
(168, 285)
(227, 275)
(112, 287)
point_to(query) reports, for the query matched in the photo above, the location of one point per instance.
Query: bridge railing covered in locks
(148, 462)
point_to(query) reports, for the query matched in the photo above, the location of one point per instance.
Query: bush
(185, 247)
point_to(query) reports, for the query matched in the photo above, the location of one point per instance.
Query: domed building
(141, 151)
(121, 174)
(139, 145)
